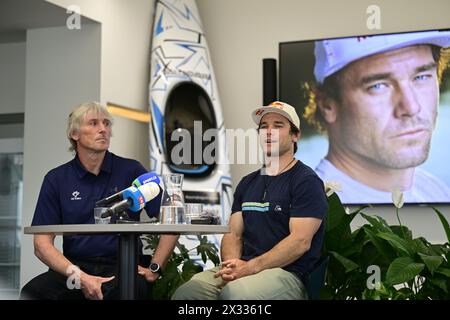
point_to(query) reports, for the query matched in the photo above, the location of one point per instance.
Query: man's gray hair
(77, 116)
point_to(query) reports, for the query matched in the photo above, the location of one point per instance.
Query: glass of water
(172, 202)
(98, 211)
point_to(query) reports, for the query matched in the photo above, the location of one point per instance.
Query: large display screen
(375, 113)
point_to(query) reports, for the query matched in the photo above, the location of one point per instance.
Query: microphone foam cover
(149, 190)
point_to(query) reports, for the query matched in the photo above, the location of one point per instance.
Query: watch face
(154, 267)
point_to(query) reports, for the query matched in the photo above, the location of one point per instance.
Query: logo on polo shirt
(75, 195)
(278, 208)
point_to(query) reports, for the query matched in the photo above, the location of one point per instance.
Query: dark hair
(294, 130)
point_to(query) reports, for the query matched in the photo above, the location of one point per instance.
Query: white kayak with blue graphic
(184, 98)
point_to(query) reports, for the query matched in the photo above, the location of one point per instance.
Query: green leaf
(335, 212)
(444, 271)
(180, 267)
(402, 270)
(397, 243)
(439, 249)
(370, 255)
(348, 264)
(162, 287)
(174, 286)
(203, 255)
(355, 243)
(377, 222)
(432, 262)
(183, 251)
(340, 235)
(444, 223)
(208, 250)
(189, 269)
(380, 244)
(213, 257)
(439, 282)
(405, 293)
(421, 246)
(402, 231)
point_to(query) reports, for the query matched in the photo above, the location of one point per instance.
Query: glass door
(11, 186)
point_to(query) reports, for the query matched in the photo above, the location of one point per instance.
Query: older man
(68, 195)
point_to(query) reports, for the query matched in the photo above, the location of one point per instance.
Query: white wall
(12, 77)
(125, 65)
(108, 62)
(241, 33)
(63, 69)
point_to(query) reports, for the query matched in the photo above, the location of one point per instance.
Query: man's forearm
(166, 245)
(284, 253)
(54, 259)
(231, 247)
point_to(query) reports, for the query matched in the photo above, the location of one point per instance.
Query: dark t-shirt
(298, 192)
(68, 196)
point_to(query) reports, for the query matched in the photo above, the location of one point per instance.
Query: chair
(315, 281)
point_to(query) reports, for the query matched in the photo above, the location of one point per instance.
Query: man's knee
(41, 287)
(235, 292)
(28, 292)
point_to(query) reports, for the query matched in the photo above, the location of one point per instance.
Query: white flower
(332, 187)
(397, 198)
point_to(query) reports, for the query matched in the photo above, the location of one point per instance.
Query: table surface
(65, 229)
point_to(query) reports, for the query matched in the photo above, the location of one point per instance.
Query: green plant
(410, 268)
(180, 267)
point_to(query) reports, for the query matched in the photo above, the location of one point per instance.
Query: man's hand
(91, 286)
(235, 268)
(147, 274)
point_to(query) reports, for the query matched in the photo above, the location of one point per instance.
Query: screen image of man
(377, 98)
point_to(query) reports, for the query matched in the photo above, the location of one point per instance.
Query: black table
(128, 242)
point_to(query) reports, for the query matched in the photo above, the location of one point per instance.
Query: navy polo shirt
(68, 196)
(298, 192)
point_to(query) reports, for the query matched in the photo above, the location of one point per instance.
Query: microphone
(111, 199)
(146, 178)
(139, 181)
(134, 199)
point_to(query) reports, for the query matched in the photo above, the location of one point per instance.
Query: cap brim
(267, 109)
(392, 42)
(440, 42)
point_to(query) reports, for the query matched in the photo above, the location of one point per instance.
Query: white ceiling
(16, 16)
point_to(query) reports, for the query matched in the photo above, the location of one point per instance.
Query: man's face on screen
(388, 107)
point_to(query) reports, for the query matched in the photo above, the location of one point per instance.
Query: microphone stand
(123, 217)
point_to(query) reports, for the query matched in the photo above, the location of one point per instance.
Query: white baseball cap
(334, 54)
(279, 107)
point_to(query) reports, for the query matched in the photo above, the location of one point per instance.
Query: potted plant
(180, 267)
(381, 261)
(375, 261)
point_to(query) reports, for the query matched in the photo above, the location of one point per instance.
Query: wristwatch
(155, 268)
